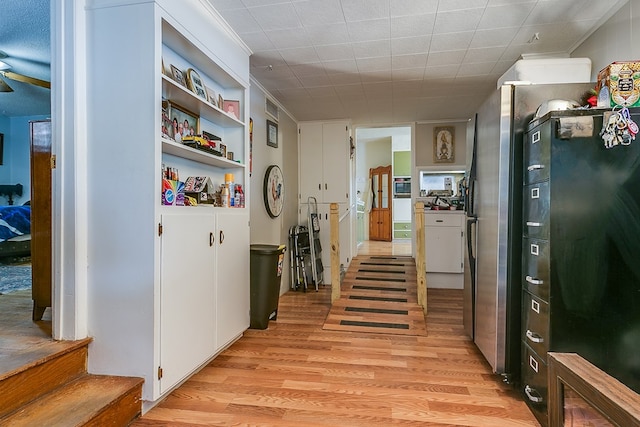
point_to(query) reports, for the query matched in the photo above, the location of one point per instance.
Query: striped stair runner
(378, 295)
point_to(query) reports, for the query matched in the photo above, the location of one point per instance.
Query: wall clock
(273, 191)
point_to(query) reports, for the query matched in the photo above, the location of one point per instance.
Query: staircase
(48, 385)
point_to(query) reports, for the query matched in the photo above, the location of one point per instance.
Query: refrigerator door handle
(470, 222)
(533, 281)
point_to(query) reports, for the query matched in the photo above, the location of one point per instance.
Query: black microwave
(401, 187)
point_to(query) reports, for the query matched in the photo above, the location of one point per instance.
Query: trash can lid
(266, 249)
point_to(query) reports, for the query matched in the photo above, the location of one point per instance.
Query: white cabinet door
(335, 155)
(443, 243)
(232, 276)
(324, 162)
(187, 300)
(311, 180)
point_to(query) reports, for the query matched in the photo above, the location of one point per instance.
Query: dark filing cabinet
(580, 250)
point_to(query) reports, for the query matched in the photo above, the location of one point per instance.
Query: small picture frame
(220, 102)
(213, 96)
(177, 75)
(195, 84)
(183, 121)
(272, 134)
(444, 144)
(232, 108)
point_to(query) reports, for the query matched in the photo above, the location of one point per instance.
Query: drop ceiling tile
(315, 81)
(288, 38)
(440, 71)
(256, 3)
(319, 12)
(511, 15)
(276, 17)
(362, 31)
(409, 45)
(407, 88)
(266, 58)
(339, 67)
(456, 5)
(475, 69)
(417, 60)
(350, 91)
(492, 54)
(309, 69)
(344, 78)
(378, 90)
(510, 2)
(413, 7)
(548, 12)
(323, 92)
(257, 41)
(451, 41)
(224, 5)
(374, 64)
(242, 21)
(334, 52)
(412, 26)
(365, 10)
(408, 73)
(372, 49)
(456, 21)
(493, 38)
(327, 34)
(378, 76)
(450, 57)
(300, 55)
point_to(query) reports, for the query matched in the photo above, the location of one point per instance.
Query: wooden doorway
(380, 215)
(41, 264)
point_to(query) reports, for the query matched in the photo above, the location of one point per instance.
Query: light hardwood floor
(297, 374)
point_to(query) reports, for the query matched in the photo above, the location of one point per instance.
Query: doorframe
(69, 190)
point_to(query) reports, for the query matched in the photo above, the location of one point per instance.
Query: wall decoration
(250, 145)
(272, 134)
(444, 144)
(183, 121)
(177, 75)
(273, 191)
(195, 84)
(232, 108)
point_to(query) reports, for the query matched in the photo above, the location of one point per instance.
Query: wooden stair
(51, 387)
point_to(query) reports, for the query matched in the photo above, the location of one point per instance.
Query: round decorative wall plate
(273, 191)
(195, 84)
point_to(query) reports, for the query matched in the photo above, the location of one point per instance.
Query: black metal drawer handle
(534, 337)
(530, 394)
(533, 281)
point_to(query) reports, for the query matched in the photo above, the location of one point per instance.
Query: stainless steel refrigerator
(492, 292)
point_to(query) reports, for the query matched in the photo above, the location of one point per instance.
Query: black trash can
(265, 273)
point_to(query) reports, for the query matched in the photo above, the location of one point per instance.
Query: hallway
(296, 374)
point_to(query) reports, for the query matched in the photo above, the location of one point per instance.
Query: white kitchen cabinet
(187, 300)
(324, 161)
(155, 284)
(444, 242)
(232, 273)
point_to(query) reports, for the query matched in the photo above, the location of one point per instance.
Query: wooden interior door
(40, 132)
(380, 215)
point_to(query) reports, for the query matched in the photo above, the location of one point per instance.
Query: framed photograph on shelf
(195, 85)
(213, 97)
(183, 121)
(177, 75)
(444, 144)
(272, 134)
(220, 101)
(232, 108)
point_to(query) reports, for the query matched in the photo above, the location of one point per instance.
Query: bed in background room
(15, 231)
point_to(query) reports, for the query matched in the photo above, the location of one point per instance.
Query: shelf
(180, 150)
(183, 97)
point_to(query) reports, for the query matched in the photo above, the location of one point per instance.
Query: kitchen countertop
(447, 211)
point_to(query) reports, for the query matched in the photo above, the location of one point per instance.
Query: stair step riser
(40, 379)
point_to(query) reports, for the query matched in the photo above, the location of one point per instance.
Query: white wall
(615, 40)
(264, 229)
